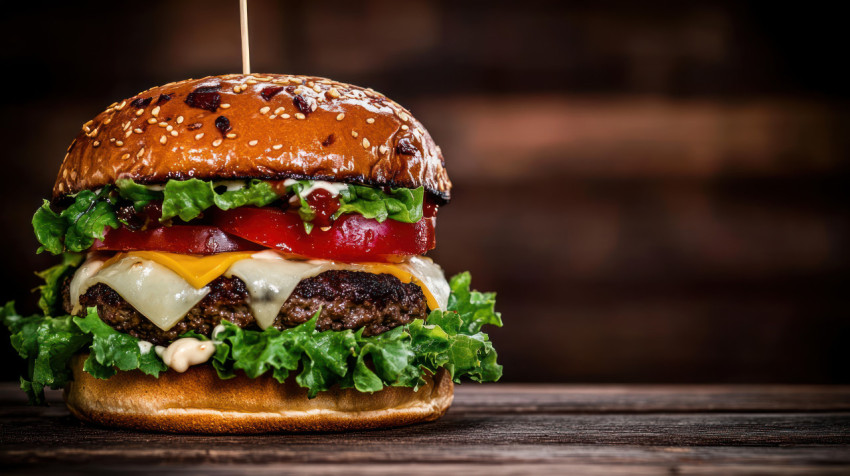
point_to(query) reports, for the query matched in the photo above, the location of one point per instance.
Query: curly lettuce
(449, 339)
(75, 228)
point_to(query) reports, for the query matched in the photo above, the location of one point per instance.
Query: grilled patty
(349, 300)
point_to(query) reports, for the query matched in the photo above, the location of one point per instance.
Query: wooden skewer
(246, 54)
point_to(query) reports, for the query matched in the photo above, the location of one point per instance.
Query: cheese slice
(158, 293)
(270, 282)
(165, 286)
(197, 270)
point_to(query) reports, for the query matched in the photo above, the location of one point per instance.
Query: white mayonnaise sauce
(230, 184)
(145, 347)
(332, 187)
(216, 330)
(185, 352)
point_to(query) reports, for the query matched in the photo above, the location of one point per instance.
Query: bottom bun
(198, 401)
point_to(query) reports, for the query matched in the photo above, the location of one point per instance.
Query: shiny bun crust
(198, 401)
(255, 126)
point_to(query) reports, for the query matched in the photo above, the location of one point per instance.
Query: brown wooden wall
(653, 188)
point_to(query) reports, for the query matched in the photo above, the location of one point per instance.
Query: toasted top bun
(255, 126)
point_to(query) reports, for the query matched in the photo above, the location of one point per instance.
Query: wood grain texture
(493, 429)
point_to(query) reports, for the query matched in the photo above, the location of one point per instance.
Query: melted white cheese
(155, 291)
(164, 297)
(82, 277)
(271, 281)
(431, 275)
(332, 187)
(182, 353)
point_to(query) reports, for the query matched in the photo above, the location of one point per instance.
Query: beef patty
(349, 300)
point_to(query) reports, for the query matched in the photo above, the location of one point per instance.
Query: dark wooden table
(490, 429)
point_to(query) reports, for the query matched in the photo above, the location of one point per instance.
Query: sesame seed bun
(198, 401)
(255, 126)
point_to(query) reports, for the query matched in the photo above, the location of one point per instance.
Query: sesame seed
(96, 143)
(225, 106)
(216, 142)
(252, 143)
(298, 90)
(199, 135)
(383, 149)
(232, 135)
(264, 109)
(119, 143)
(121, 106)
(163, 139)
(340, 116)
(317, 88)
(236, 89)
(272, 116)
(332, 92)
(128, 134)
(403, 116)
(371, 120)
(285, 116)
(310, 84)
(251, 81)
(107, 121)
(277, 146)
(404, 127)
(279, 111)
(137, 130)
(174, 133)
(366, 143)
(162, 124)
(298, 115)
(169, 128)
(353, 133)
(125, 126)
(180, 119)
(125, 156)
(139, 112)
(111, 139)
(141, 152)
(155, 111)
(152, 120)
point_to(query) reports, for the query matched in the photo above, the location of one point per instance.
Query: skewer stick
(246, 54)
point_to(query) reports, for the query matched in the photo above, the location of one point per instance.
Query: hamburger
(244, 253)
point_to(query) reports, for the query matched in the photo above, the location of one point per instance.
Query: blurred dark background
(653, 188)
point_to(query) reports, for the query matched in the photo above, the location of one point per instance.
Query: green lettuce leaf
(136, 193)
(400, 204)
(448, 339)
(50, 294)
(474, 308)
(49, 229)
(47, 345)
(187, 199)
(76, 227)
(113, 350)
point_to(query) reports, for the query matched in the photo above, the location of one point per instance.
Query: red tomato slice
(186, 239)
(351, 237)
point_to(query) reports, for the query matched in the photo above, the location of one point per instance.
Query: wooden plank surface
(501, 429)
